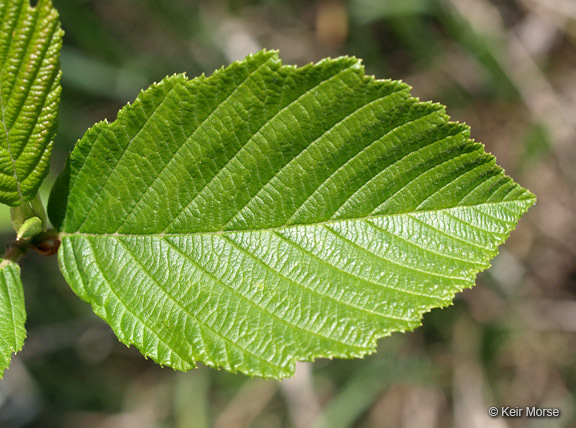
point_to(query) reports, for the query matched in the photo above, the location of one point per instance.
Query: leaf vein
(304, 149)
(378, 285)
(254, 304)
(167, 164)
(426, 249)
(258, 132)
(394, 262)
(119, 158)
(308, 289)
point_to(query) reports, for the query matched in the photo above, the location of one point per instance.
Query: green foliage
(12, 313)
(269, 214)
(248, 220)
(29, 219)
(30, 228)
(30, 42)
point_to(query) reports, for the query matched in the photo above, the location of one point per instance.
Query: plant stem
(45, 243)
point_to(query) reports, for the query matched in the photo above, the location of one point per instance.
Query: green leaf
(30, 42)
(29, 218)
(29, 228)
(269, 214)
(12, 313)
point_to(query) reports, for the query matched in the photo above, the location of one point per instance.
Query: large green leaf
(268, 214)
(30, 41)
(12, 313)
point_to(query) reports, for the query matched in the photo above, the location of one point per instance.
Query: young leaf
(30, 42)
(29, 228)
(12, 313)
(269, 214)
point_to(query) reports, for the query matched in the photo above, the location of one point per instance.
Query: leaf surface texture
(30, 42)
(268, 214)
(12, 313)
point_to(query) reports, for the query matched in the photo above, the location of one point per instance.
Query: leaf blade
(277, 214)
(12, 313)
(30, 44)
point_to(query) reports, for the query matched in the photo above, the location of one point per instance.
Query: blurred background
(505, 67)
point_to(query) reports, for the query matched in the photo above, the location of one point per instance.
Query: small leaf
(28, 211)
(29, 228)
(30, 42)
(12, 313)
(269, 214)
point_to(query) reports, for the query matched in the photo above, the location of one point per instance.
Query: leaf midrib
(2, 100)
(446, 210)
(49, 30)
(6, 131)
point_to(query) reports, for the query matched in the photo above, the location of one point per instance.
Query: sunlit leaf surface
(12, 313)
(269, 214)
(30, 42)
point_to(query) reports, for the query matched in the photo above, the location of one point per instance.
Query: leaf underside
(269, 214)
(12, 315)
(30, 42)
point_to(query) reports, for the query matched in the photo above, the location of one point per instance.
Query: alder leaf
(30, 42)
(269, 214)
(12, 313)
